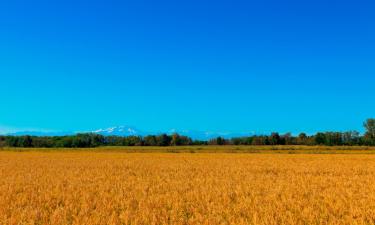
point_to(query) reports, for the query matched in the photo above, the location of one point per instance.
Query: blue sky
(233, 66)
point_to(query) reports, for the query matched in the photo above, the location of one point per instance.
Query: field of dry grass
(86, 187)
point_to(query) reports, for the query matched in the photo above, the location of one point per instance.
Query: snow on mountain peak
(118, 130)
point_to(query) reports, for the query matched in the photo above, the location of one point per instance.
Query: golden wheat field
(205, 188)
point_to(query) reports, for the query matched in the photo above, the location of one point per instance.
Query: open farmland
(115, 187)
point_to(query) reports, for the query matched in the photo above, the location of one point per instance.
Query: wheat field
(205, 188)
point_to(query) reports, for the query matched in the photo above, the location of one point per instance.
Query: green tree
(274, 139)
(217, 141)
(320, 139)
(302, 139)
(220, 141)
(2, 141)
(26, 142)
(176, 140)
(133, 141)
(260, 140)
(163, 140)
(370, 131)
(150, 140)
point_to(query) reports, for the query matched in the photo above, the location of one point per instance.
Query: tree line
(90, 140)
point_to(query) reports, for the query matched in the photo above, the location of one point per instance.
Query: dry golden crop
(164, 188)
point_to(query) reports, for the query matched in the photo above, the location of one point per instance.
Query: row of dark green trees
(351, 138)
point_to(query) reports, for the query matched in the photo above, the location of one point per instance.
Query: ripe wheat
(163, 188)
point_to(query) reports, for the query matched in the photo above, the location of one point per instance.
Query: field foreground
(164, 188)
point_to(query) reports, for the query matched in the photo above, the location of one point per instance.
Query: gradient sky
(200, 65)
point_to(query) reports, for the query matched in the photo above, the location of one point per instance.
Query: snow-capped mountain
(197, 135)
(125, 131)
(118, 131)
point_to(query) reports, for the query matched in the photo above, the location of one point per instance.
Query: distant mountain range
(131, 131)
(119, 131)
(40, 133)
(199, 135)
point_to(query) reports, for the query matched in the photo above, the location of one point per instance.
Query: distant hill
(40, 133)
(125, 131)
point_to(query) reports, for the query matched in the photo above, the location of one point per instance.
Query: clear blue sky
(199, 65)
